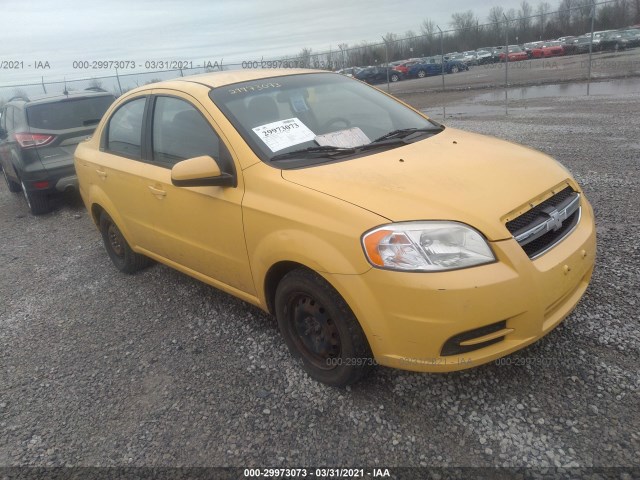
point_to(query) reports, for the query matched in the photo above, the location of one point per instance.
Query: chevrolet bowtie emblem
(555, 222)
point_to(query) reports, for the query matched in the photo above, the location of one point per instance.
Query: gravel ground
(98, 368)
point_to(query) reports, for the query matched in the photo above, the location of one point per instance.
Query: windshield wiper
(404, 132)
(324, 150)
(394, 138)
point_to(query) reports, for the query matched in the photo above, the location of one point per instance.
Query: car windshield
(299, 113)
(68, 113)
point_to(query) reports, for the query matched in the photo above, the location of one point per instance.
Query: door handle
(157, 191)
(101, 173)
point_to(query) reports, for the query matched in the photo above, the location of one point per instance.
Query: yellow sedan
(374, 234)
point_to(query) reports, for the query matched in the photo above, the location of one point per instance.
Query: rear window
(68, 113)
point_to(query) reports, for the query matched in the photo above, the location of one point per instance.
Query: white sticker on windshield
(349, 138)
(284, 133)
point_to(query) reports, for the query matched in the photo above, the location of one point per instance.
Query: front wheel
(454, 69)
(320, 329)
(394, 78)
(121, 254)
(422, 73)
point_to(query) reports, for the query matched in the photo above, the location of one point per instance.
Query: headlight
(426, 246)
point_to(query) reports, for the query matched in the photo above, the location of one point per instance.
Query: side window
(19, 124)
(124, 135)
(181, 132)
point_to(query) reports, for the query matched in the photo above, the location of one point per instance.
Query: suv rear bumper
(58, 179)
(66, 183)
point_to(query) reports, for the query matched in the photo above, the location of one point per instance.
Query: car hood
(453, 175)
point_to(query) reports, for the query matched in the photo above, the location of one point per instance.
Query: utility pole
(441, 55)
(593, 15)
(386, 56)
(506, 66)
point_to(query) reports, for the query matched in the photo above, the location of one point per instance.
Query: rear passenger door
(115, 172)
(200, 228)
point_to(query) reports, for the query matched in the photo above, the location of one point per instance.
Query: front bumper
(409, 318)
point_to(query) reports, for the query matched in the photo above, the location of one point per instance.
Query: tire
(321, 330)
(394, 78)
(121, 254)
(422, 73)
(14, 187)
(455, 69)
(38, 203)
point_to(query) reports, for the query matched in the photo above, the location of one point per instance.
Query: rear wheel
(455, 69)
(422, 73)
(13, 186)
(394, 78)
(121, 254)
(38, 203)
(320, 329)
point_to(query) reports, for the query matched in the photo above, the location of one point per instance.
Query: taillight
(27, 140)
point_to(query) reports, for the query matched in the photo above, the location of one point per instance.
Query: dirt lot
(103, 369)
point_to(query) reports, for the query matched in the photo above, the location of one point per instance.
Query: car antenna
(65, 91)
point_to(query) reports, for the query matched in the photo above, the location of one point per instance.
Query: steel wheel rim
(313, 331)
(115, 240)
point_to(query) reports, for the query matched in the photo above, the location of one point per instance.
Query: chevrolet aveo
(373, 234)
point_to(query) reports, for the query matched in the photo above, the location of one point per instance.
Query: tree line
(467, 31)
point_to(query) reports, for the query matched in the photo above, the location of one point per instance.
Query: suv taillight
(27, 140)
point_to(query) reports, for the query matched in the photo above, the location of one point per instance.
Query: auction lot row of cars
(414, 69)
(609, 40)
(373, 234)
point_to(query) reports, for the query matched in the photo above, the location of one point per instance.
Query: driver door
(199, 228)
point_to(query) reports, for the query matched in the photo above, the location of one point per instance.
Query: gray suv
(38, 138)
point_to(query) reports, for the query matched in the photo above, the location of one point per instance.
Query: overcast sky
(61, 32)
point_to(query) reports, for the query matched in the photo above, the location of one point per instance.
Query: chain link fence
(582, 19)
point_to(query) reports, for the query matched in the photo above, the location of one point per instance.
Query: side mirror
(200, 172)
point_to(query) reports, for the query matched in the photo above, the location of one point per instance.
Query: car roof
(56, 97)
(228, 77)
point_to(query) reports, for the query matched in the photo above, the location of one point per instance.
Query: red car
(403, 66)
(515, 54)
(548, 49)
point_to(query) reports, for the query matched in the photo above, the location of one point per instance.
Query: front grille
(546, 224)
(536, 213)
(549, 239)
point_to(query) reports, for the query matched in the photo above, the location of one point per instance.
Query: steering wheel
(325, 127)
